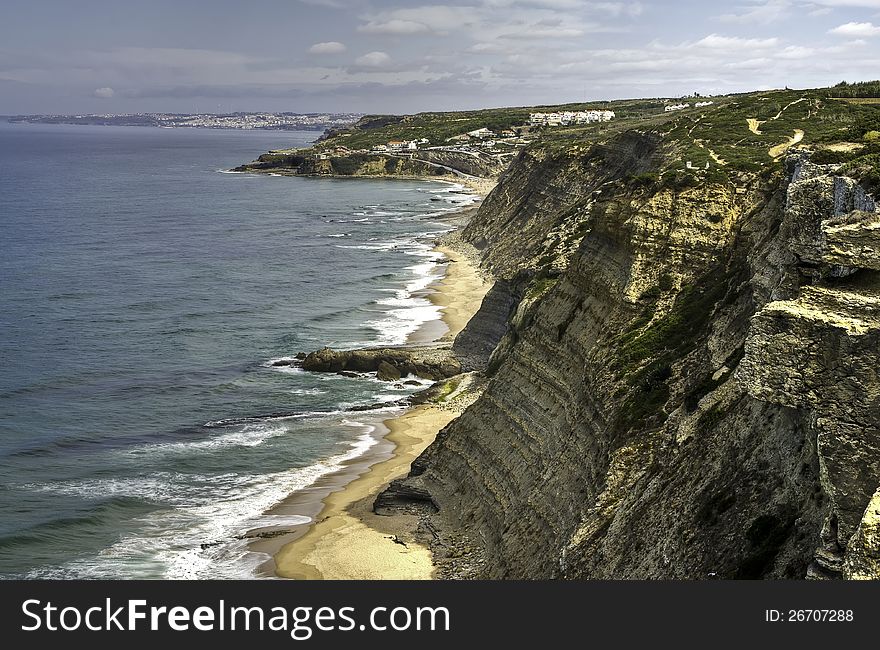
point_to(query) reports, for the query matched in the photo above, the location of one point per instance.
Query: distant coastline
(261, 121)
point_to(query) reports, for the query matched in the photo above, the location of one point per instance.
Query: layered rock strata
(686, 386)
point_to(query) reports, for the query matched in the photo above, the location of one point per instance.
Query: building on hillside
(701, 104)
(676, 107)
(481, 133)
(566, 118)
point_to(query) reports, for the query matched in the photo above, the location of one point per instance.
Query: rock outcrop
(390, 364)
(817, 350)
(863, 551)
(686, 385)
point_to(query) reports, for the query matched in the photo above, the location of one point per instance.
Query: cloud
(437, 18)
(862, 4)
(333, 4)
(373, 60)
(716, 42)
(394, 26)
(104, 93)
(856, 30)
(327, 47)
(796, 52)
(539, 33)
(767, 11)
(614, 8)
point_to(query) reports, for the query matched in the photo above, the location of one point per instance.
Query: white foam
(398, 324)
(308, 391)
(271, 363)
(203, 539)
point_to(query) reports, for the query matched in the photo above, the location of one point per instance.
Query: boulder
(387, 372)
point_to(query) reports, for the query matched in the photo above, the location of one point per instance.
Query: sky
(103, 56)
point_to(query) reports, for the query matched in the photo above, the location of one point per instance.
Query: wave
(205, 537)
(307, 391)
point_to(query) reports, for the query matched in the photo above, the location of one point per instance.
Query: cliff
(310, 164)
(307, 162)
(686, 382)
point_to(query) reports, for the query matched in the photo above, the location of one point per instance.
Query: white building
(676, 107)
(481, 133)
(701, 104)
(569, 117)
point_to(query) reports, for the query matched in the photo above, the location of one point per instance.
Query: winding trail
(780, 149)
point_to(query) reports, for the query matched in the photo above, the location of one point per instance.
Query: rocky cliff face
(687, 386)
(815, 347)
(422, 163)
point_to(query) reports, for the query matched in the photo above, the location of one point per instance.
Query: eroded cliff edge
(687, 383)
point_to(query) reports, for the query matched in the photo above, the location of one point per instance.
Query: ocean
(144, 296)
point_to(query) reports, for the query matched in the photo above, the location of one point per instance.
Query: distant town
(262, 121)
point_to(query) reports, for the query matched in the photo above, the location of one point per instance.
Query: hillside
(687, 386)
(733, 134)
(681, 347)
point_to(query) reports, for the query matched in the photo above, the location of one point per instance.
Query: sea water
(144, 297)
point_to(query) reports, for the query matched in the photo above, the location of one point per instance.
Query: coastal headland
(674, 371)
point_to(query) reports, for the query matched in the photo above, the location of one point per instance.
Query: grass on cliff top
(439, 127)
(719, 135)
(747, 133)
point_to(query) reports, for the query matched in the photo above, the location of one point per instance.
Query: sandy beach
(346, 539)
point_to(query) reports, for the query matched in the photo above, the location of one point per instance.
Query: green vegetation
(675, 333)
(435, 127)
(743, 133)
(862, 89)
(647, 350)
(866, 169)
(350, 164)
(445, 389)
(439, 127)
(541, 284)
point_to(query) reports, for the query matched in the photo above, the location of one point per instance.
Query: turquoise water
(144, 296)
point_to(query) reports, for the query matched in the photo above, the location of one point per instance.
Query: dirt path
(702, 145)
(755, 124)
(780, 149)
(716, 157)
(787, 106)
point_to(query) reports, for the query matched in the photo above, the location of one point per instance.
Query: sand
(348, 540)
